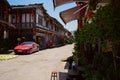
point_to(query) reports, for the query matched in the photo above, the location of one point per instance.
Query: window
(56, 28)
(13, 19)
(23, 18)
(40, 20)
(28, 18)
(46, 23)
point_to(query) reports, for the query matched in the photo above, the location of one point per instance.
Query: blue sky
(48, 5)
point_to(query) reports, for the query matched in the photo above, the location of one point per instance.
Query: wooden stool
(54, 75)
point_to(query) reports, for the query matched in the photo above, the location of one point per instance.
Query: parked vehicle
(50, 44)
(26, 48)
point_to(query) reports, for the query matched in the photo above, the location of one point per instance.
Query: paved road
(37, 66)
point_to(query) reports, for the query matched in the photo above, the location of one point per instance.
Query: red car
(26, 48)
(50, 44)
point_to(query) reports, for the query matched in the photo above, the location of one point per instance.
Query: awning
(7, 24)
(57, 3)
(75, 13)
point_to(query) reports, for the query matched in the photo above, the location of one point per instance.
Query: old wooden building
(5, 26)
(34, 24)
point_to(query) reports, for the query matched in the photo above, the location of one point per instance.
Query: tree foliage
(105, 27)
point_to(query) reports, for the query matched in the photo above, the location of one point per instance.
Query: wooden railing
(24, 25)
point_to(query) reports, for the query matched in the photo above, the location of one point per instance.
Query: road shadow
(73, 72)
(66, 65)
(4, 51)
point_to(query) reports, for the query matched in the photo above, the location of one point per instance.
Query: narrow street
(37, 66)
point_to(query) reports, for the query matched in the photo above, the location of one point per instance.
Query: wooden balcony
(24, 25)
